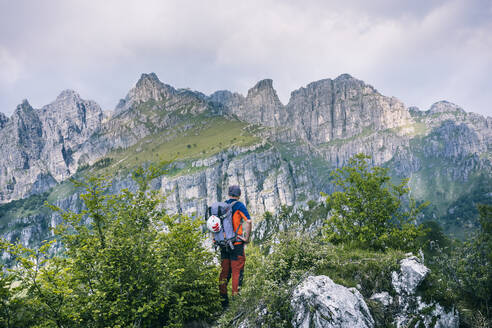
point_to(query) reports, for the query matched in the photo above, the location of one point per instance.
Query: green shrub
(369, 211)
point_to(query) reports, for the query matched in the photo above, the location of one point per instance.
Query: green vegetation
(369, 211)
(206, 137)
(120, 267)
(270, 277)
(22, 207)
(127, 263)
(459, 218)
(462, 271)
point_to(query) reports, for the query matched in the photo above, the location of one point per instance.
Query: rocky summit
(280, 154)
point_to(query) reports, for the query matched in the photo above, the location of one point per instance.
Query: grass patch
(61, 191)
(206, 137)
(366, 131)
(418, 129)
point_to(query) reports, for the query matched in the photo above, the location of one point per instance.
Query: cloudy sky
(420, 51)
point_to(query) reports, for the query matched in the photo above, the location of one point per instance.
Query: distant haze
(419, 51)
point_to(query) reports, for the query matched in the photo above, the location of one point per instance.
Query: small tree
(368, 211)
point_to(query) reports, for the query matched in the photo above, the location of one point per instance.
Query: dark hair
(234, 191)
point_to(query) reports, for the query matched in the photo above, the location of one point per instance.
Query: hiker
(231, 223)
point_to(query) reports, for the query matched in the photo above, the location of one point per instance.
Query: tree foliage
(369, 210)
(475, 265)
(126, 263)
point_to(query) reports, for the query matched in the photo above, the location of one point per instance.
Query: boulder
(319, 302)
(411, 274)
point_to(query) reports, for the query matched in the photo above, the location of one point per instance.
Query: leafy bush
(369, 211)
(126, 263)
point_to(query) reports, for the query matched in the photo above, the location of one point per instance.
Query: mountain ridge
(280, 154)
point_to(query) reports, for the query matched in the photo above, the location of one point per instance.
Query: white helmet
(213, 223)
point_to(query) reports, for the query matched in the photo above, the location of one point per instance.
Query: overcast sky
(420, 51)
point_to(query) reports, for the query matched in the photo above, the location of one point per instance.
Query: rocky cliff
(40, 147)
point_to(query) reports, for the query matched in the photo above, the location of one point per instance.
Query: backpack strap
(240, 223)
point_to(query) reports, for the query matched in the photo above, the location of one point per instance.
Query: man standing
(232, 260)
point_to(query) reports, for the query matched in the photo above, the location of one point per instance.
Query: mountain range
(279, 154)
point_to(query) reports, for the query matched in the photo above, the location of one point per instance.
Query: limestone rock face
(40, 144)
(332, 109)
(323, 111)
(68, 123)
(260, 106)
(263, 106)
(319, 302)
(267, 181)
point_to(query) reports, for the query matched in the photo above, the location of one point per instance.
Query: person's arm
(247, 224)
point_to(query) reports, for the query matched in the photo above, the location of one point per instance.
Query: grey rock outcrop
(411, 274)
(148, 87)
(410, 306)
(322, 111)
(151, 107)
(3, 120)
(319, 302)
(260, 106)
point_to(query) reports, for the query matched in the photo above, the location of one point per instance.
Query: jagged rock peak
(150, 81)
(23, 106)
(147, 87)
(148, 78)
(265, 84)
(352, 83)
(345, 76)
(444, 106)
(220, 96)
(67, 95)
(264, 88)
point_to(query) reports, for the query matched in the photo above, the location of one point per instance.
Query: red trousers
(232, 263)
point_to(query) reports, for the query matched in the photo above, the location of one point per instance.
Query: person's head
(234, 191)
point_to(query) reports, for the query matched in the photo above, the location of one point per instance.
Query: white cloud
(420, 51)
